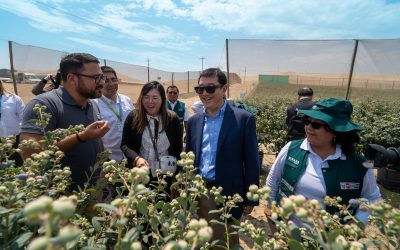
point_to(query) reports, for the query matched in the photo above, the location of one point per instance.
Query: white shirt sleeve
(369, 191)
(186, 115)
(275, 174)
(20, 109)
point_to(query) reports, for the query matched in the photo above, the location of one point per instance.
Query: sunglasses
(314, 125)
(172, 93)
(209, 89)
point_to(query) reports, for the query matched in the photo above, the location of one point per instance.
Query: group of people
(222, 137)
(318, 160)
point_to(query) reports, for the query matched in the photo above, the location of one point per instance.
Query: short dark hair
(172, 86)
(105, 69)
(73, 63)
(210, 72)
(306, 91)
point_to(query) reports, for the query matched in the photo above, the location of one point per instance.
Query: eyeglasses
(97, 78)
(209, 89)
(172, 93)
(314, 125)
(111, 80)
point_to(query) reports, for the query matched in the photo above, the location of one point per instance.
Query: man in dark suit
(224, 141)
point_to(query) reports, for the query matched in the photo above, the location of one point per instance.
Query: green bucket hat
(334, 112)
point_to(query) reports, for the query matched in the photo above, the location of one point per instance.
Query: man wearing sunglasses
(70, 104)
(177, 106)
(224, 141)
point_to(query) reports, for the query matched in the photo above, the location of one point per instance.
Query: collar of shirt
(220, 113)
(338, 154)
(67, 98)
(112, 101)
(172, 104)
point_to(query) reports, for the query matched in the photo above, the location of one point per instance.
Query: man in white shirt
(177, 106)
(11, 113)
(114, 108)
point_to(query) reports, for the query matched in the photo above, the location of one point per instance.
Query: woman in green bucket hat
(325, 162)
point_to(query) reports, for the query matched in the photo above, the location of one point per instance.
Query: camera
(381, 157)
(387, 160)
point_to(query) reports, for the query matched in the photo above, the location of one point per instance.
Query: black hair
(105, 69)
(140, 119)
(172, 86)
(73, 63)
(210, 72)
(306, 91)
(347, 141)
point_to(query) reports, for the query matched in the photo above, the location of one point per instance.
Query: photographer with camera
(325, 162)
(52, 82)
(388, 163)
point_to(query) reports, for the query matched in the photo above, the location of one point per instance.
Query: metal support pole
(12, 66)
(227, 65)
(148, 69)
(351, 69)
(105, 62)
(188, 83)
(172, 78)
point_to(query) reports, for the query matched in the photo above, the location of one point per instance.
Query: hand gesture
(95, 130)
(140, 162)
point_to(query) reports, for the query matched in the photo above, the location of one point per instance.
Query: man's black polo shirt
(65, 112)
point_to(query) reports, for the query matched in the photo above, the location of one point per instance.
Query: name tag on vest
(349, 185)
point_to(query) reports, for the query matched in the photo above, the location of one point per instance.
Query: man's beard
(87, 93)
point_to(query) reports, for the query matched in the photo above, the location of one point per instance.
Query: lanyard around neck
(119, 116)
(155, 138)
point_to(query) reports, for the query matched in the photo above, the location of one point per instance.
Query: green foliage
(378, 114)
(37, 211)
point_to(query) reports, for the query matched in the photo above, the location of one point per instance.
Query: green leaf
(5, 212)
(96, 222)
(218, 211)
(107, 207)
(333, 234)
(142, 207)
(295, 232)
(21, 241)
(295, 245)
(213, 222)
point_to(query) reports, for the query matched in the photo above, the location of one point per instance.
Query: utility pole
(202, 60)
(148, 69)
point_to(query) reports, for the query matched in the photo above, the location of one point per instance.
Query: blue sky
(175, 34)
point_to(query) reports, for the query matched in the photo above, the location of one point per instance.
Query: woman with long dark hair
(151, 131)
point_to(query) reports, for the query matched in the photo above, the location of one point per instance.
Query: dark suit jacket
(132, 140)
(237, 163)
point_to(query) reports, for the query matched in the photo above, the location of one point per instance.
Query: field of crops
(38, 212)
(378, 111)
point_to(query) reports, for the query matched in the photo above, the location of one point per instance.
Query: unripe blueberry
(301, 213)
(117, 202)
(299, 200)
(39, 243)
(68, 233)
(205, 234)
(253, 188)
(136, 246)
(203, 223)
(183, 155)
(194, 224)
(65, 208)
(37, 206)
(190, 235)
(191, 155)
